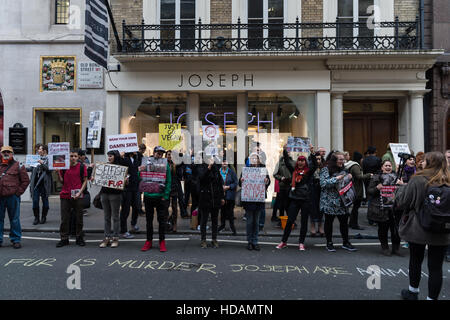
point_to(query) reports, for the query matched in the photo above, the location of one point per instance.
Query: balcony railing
(270, 37)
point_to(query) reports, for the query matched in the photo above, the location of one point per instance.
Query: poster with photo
(298, 144)
(57, 73)
(211, 134)
(59, 156)
(94, 129)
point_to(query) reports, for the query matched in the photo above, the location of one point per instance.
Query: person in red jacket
(13, 183)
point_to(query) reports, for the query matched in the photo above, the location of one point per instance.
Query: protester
(371, 163)
(74, 182)
(254, 209)
(420, 156)
(13, 183)
(389, 156)
(322, 151)
(411, 199)
(176, 191)
(83, 158)
(191, 184)
(133, 161)
(358, 177)
(381, 209)
(409, 170)
(141, 154)
(157, 199)
(346, 156)
(110, 199)
(229, 187)
(330, 201)
(300, 197)
(36, 148)
(284, 177)
(316, 214)
(41, 185)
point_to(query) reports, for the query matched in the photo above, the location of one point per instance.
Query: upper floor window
(265, 11)
(62, 11)
(355, 11)
(177, 12)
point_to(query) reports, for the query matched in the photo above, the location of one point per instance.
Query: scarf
(298, 174)
(224, 174)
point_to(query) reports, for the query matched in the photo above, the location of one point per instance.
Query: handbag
(86, 200)
(97, 201)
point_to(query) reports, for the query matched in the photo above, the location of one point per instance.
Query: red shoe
(162, 246)
(147, 246)
(282, 245)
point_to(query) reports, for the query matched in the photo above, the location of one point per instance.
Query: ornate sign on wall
(58, 73)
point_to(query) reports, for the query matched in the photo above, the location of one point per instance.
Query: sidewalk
(94, 223)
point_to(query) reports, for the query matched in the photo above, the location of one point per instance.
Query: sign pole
(92, 155)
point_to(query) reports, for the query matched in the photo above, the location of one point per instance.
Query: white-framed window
(356, 11)
(182, 12)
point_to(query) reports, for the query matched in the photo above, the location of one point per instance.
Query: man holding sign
(254, 181)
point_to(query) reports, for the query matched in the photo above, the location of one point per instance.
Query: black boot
(36, 216)
(44, 215)
(233, 228)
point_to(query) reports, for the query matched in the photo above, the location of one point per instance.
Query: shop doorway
(369, 124)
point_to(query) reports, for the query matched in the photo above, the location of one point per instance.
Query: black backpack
(434, 216)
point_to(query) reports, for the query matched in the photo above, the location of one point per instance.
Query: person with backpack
(74, 182)
(13, 183)
(110, 199)
(426, 222)
(381, 192)
(300, 197)
(331, 203)
(358, 178)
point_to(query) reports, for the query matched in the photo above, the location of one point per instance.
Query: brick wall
(312, 11)
(220, 12)
(128, 10)
(406, 10)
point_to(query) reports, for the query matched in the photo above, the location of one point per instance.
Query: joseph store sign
(218, 80)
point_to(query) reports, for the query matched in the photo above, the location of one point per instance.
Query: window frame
(67, 19)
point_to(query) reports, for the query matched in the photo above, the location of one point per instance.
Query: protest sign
(170, 135)
(298, 144)
(397, 148)
(59, 155)
(123, 142)
(94, 129)
(32, 160)
(211, 134)
(153, 179)
(253, 186)
(110, 175)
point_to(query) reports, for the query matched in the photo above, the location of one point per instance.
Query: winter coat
(330, 201)
(371, 164)
(230, 180)
(304, 188)
(410, 198)
(377, 212)
(358, 178)
(15, 181)
(133, 171)
(282, 171)
(211, 187)
(45, 178)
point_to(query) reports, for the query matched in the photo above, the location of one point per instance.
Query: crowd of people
(319, 187)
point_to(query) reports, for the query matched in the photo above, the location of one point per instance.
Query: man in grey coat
(40, 185)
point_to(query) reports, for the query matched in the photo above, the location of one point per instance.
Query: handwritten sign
(32, 160)
(170, 135)
(123, 142)
(397, 148)
(110, 175)
(59, 155)
(94, 129)
(253, 186)
(298, 144)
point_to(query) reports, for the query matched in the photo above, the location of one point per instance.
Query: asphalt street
(187, 272)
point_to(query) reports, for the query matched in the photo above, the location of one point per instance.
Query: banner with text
(253, 186)
(59, 156)
(110, 175)
(94, 129)
(123, 142)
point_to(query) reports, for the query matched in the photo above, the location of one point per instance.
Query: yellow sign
(170, 135)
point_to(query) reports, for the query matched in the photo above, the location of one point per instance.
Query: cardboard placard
(59, 156)
(170, 135)
(32, 160)
(123, 142)
(397, 148)
(94, 129)
(253, 186)
(110, 175)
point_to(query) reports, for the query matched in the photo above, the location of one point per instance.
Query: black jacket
(133, 171)
(304, 187)
(211, 186)
(371, 164)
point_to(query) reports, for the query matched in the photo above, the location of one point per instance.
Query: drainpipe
(422, 23)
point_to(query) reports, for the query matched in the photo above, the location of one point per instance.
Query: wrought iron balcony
(269, 37)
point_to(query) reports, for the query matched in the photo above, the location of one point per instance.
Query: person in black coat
(211, 198)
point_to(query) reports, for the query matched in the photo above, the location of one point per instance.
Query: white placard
(397, 148)
(253, 186)
(94, 129)
(123, 142)
(32, 160)
(59, 156)
(90, 75)
(298, 144)
(210, 135)
(110, 175)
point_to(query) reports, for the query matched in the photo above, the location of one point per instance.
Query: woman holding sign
(258, 181)
(300, 196)
(111, 199)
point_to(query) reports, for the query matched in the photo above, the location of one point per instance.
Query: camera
(405, 156)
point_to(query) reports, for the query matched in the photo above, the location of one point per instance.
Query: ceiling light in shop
(158, 112)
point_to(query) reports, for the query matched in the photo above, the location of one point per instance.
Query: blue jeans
(12, 204)
(39, 191)
(262, 217)
(252, 226)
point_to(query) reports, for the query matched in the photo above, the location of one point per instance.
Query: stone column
(113, 113)
(337, 121)
(417, 133)
(323, 120)
(242, 126)
(192, 119)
